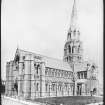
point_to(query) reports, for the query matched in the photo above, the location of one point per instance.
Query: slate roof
(57, 64)
(51, 62)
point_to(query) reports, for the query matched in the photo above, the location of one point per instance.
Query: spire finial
(74, 15)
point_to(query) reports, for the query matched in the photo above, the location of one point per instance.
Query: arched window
(55, 73)
(69, 47)
(46, 87)
(69, 74)
(17, 58)
(46, 71)
(58, 73)
(85, 75)
(37, 68)
(78, 75)
(23, 57)
(59, 87)
(52, 72)
(69, 35)
(53, 87)
(65, 73)
(65, 86)
(37, 86)
(78, 57)
(73, 49)
(94, 90)
(79, 49)
(67, 58)
(23, 65)
(62, 73)
(49, 71)
(81, 75)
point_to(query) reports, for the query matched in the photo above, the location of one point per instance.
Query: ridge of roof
(52, 62)
(41, 55)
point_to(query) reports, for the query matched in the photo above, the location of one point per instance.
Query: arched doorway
(79, 89)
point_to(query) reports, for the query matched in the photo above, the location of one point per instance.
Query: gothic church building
(32, 75)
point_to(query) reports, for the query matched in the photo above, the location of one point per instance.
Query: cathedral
(30, 75)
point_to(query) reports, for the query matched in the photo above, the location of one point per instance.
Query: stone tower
(73, 46)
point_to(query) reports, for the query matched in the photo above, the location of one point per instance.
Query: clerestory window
(69, 47)
(73, 49)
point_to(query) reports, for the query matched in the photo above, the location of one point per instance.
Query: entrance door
(79, 89)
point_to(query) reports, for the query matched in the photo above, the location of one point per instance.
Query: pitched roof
(51, 62)
(57, 64)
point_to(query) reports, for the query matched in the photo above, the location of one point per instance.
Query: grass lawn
(70, 100)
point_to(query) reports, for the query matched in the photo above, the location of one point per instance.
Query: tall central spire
(73, 46)
(74, 16)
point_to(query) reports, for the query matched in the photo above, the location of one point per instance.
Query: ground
(70, 100)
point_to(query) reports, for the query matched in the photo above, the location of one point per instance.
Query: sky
(41, 26)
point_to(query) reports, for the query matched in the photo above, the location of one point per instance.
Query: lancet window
(52, 70)
(67, 58)
(49, 71)
(37, 68)
(79, 49)
(81, 75)
(69, 75)
(78, 75)
(59, 87)
(69, 47)
(23, 65)
(55, 72)
(46, 87)
(53, 87)
(46, 71)
(85, 75)
(37, 86)
(65, 86)
(58, 73)
(62, 73)
(73, 49)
